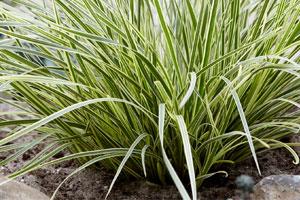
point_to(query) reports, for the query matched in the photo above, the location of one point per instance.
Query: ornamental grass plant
(169, 91)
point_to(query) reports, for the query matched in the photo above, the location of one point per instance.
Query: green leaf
(174, 176)
(244, 121)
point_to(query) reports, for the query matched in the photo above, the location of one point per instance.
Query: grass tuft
(166, 90)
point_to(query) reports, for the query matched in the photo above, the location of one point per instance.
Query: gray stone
(278, 187)
(14, 190)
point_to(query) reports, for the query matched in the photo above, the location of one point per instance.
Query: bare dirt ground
(92, 184)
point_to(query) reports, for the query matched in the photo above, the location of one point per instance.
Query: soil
(92, 184)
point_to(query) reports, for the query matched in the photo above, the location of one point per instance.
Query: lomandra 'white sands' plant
(167, 90)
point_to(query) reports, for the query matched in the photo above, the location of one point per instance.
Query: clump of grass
(167, 90)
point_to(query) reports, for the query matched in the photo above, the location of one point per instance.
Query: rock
(278, 187)
(14, 190)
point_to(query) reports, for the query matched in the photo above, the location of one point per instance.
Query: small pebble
(245, 183)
